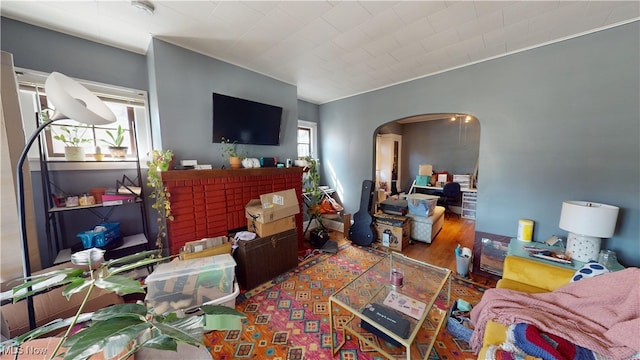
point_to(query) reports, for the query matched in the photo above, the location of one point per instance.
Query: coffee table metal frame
(378, 290)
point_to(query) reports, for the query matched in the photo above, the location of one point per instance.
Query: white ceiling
(332, 49)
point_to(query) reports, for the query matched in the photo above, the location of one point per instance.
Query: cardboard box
(273, 206)
(271, 228)
(393, 231)
(206, 247)
(183, 284)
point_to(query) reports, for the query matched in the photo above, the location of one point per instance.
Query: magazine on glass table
(405, 304)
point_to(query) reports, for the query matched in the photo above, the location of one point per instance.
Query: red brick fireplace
(209, 203)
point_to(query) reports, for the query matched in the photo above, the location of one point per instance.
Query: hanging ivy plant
(159, 161)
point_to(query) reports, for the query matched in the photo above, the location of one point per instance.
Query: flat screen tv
(245, 121)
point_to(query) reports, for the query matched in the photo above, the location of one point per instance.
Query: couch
(528, 276)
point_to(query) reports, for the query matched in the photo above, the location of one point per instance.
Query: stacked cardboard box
(273, 213)
(393, 230)
(275, 250)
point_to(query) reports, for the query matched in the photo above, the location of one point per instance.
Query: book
(552, 257)
(405, 304)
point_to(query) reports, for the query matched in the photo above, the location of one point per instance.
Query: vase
(118, 151)
(74, 153)
(235, 162)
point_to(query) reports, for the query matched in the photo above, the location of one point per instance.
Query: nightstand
(517, 248)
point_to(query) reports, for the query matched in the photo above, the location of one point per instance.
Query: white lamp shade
(589, 218)
(74, 101)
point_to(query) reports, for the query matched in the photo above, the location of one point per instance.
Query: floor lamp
(71, 101)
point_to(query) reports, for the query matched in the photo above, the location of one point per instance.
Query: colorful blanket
(526, 342)
(601, 313)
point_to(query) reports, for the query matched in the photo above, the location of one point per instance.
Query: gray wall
(38, 49)
(558, 123)
(180, 84)
(308, 111)
(441, 143)
(561, 122)
(42, 50)
(184, 83)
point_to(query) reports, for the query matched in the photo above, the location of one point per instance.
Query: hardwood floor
(441, 252)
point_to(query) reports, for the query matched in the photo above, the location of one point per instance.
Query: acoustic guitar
(362, 232)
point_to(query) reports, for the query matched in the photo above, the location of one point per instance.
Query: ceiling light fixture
(143, 6)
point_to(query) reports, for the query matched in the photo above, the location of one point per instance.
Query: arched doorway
(450, 142)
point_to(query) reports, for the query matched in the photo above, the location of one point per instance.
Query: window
(90, 136)
(307, 139)
(304, 142)
(128, 105)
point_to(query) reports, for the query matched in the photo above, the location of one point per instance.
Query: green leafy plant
(230, 149)
(115, 139)
(117, 329)
(72, 135)
(159, 161)
(312, 186)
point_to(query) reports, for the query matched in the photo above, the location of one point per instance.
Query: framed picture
(489, 251)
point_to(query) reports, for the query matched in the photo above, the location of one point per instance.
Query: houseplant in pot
(230, 150)
(115, 143)
(118, 330)
(73, 137)
(159, 161)
(317, 236)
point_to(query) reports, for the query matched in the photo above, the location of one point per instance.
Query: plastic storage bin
(91, 238)
(421, 204)
(184, 284)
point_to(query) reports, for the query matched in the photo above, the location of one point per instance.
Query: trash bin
(462, 262)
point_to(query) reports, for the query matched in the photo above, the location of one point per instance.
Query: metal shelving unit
(59, 250)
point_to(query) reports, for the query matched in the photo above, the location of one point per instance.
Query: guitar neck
(366, 197)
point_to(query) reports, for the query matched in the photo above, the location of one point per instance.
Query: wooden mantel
(209, 203)
(174, 175)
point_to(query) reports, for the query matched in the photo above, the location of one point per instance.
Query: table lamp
(71, 101)
(587, 222)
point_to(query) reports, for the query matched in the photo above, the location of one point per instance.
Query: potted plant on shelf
(115, 143)
(118, 330)
(159, 161)
(319, 205)
(73, 138)
(230, 150)
(312, 190)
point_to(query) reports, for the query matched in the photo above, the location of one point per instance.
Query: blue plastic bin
(92, 238)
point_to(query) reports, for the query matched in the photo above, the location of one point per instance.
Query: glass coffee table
(391, 307)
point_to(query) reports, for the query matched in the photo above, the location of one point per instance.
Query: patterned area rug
(287, 318)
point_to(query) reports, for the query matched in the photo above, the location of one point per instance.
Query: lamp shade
(74, 101)
(589, 218)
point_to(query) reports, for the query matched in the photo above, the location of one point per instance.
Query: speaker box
(268, 161)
